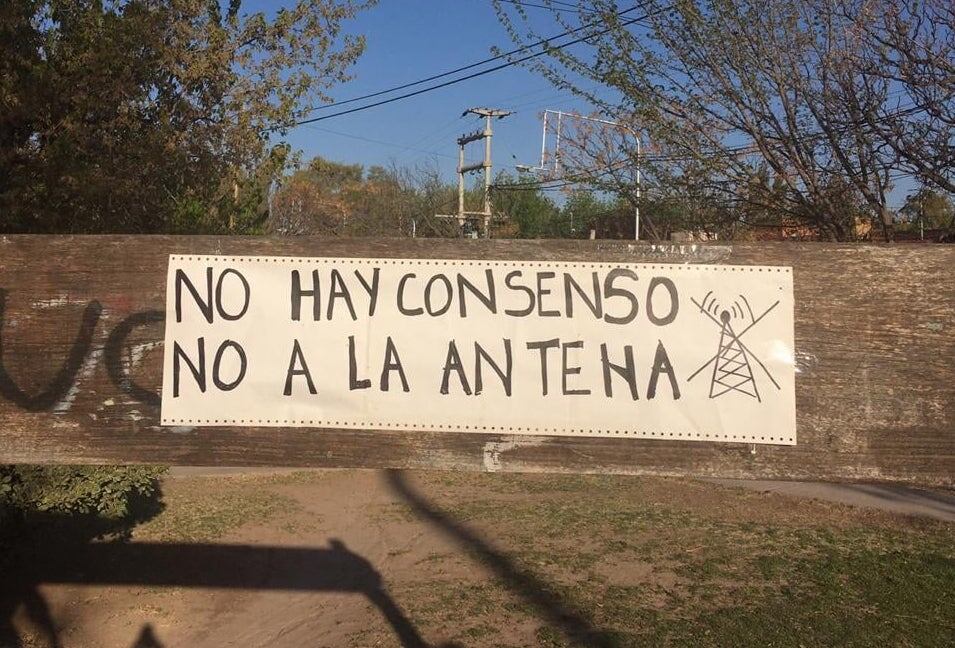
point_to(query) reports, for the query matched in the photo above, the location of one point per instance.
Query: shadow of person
(147, 638)
(16, 594)
(548, 603)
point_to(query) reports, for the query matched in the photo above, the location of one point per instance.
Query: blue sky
(411, 39)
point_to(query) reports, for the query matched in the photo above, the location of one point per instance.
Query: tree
(769, 100)
(911, 45)
(147, 116)
(581, 212)
(327, 198)
(139, 115)
(300, 208)
(316, 199)
(929, 208)
(535, 215)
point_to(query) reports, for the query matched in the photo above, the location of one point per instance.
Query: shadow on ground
(64, 552)
(55, 550)
(335, 569)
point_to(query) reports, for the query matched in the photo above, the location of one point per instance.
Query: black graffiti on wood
(113, 356)
(60, 385)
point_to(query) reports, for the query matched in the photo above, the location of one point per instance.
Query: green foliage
(153, 115)
(586, 210)
(102, 491)
(535, 215)
(931, 208)
(332, 177)
(328, 198)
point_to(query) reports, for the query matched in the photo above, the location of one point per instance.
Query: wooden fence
(81, 329)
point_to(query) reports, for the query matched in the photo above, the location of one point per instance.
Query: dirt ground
(366, 558)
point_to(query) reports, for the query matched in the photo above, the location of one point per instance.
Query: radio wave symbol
(739, 309)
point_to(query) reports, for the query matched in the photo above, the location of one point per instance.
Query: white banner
(698, 352)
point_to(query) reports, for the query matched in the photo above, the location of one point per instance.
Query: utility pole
(463, 215)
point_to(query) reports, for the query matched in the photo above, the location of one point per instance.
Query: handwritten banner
(697, 352)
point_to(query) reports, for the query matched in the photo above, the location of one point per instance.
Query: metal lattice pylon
(732, 371)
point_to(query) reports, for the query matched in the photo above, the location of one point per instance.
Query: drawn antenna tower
(732, 371)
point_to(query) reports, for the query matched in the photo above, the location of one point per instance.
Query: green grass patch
(196, 513)
(715, 579)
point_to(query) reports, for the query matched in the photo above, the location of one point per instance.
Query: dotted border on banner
(480, 263)
(485, 429)
(478, 429)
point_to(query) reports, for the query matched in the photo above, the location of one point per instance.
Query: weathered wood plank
(81, 351)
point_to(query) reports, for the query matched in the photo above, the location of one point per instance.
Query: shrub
(105, 493)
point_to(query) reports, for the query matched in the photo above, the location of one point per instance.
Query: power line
(524, 48)
(510, 99)
(432, 135)
(554, 99)
(567, 4)
(475, 74)
(569, 7)
(381, 142)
